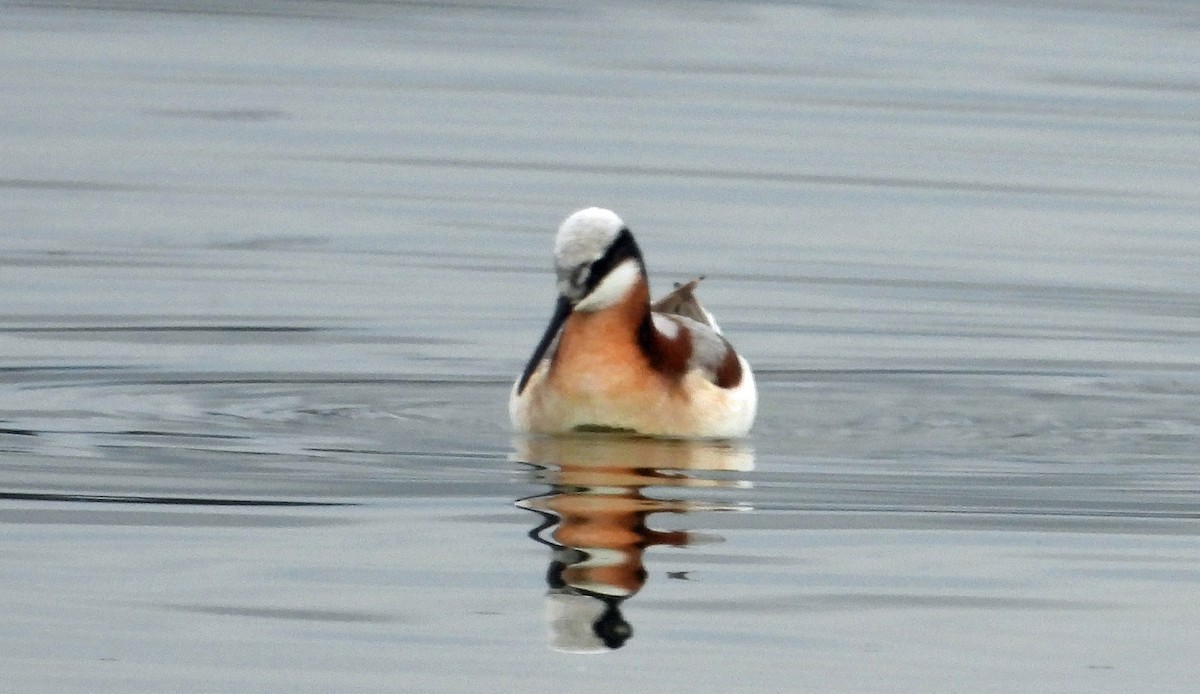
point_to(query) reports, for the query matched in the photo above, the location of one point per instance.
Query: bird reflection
(594, 520)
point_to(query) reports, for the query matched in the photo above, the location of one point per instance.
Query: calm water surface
(267, 270)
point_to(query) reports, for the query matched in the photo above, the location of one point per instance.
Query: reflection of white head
(569, 617)
(576, 621)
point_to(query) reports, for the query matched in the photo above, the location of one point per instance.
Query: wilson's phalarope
(612, 361)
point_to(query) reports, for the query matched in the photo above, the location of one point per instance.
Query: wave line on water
(802, 178)
(162, 500)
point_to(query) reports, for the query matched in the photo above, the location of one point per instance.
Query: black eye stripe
(621, 249)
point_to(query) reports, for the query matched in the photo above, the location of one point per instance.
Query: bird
(611, 361)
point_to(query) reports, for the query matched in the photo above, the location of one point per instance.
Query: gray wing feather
(709, 348)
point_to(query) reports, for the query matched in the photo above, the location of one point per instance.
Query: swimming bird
(612, 361)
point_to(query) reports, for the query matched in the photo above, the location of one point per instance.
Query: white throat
(615, 285)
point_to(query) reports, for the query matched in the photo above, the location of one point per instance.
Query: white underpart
(743, 403)
(615, 285)
(664, 325)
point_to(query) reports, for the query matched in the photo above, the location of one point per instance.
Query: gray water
(267, 270)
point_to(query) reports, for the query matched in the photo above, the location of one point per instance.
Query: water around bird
(269, 271)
